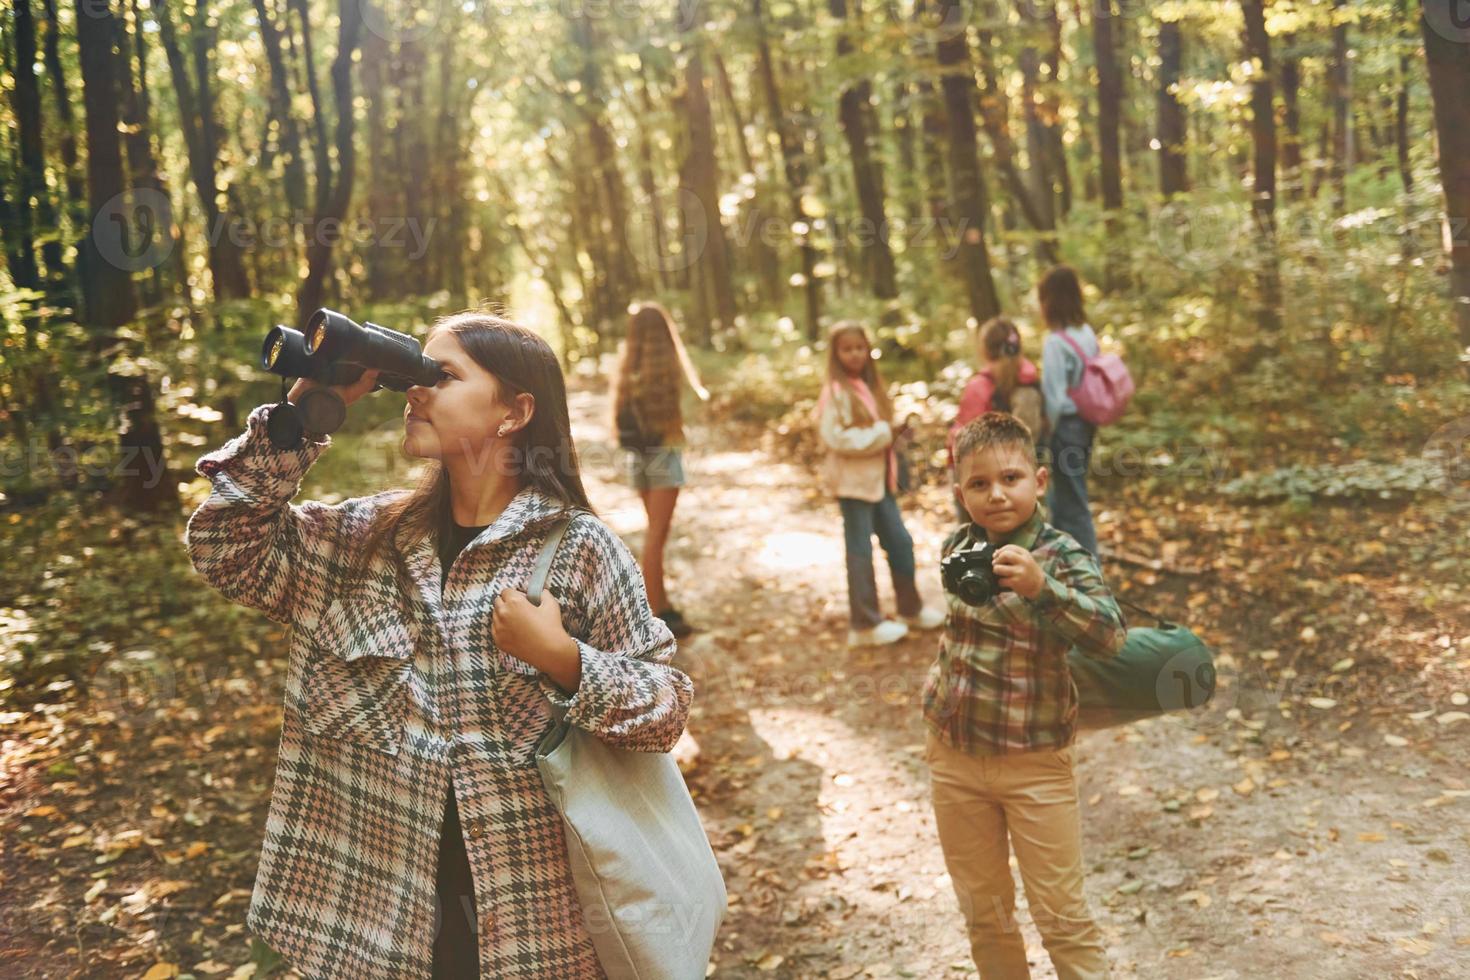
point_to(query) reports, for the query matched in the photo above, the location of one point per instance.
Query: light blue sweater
(1061, 369)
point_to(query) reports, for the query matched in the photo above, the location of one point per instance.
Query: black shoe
(674, 620)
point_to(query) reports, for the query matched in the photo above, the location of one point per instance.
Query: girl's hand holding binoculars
(350, 393)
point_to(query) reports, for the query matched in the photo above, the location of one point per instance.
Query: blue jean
(860, 521)
(1066, 498)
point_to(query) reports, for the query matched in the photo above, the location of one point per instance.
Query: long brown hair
(546, 458)
(836, 373)
(648, 373)
(1005, 367)
(1060, 295)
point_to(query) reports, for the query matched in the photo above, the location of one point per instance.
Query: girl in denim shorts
(653, 369)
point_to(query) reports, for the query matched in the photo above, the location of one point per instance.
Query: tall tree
(1447, 51)
(794, 166)
(35, 211)
(107, 286)
(854, 111)
(1109, 115)
(333, 184)
(1172, 131)
(76, 190)
(138, 142)
(202, 141)
(1263, 138)
(285, 134)
(1291, 116)
(699, 183)
(590, 100)
(995, 117)
(1341, 88)
(967, 183)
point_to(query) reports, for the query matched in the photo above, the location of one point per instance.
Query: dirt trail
(1239, 843)
(1228, 844)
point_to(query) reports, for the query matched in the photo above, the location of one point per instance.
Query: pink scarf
(860, 388)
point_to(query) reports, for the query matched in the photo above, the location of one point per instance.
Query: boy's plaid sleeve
(1076, 605)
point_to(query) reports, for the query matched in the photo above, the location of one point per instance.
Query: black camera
(968, 574)
(333, 350)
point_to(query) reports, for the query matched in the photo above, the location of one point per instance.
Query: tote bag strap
(542, 567)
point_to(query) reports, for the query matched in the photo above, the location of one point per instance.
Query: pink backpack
(1105, 388)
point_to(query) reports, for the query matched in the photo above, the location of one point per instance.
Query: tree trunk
(1401, 100)
(767, 263)
(107, 287)
(1173, 149)
(334, 191)
(1340, 76)
(143, 165)
(1263, 137)
(31, 172)
(648, 181)
(623, 279)
(853, 112)
(75, 182)
(794, 165)
(1109, 113)
(1291, 117)
(287, 134)
(448, 197)
(1051, 109)
(967, 190)
(699, 185)
(995, 117)
(1447, 51)
(201, 138)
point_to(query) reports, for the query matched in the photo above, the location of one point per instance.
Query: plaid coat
(393, 691)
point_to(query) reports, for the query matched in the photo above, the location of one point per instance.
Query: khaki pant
(1031, 798)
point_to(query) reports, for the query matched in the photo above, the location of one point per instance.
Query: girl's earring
(502, 430)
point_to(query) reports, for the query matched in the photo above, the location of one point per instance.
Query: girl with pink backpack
(1082, 389)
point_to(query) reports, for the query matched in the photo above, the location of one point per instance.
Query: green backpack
(1160, 669)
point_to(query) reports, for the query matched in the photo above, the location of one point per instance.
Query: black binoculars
(334, 350)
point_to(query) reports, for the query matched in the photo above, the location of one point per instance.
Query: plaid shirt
(395, 690)
(1001, 682)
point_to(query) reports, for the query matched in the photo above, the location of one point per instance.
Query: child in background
(1006, 382)
(856, 425)
(1000, 710)
(1070, 336)
(653, 368)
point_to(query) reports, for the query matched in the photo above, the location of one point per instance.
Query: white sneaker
(929, 618)
(884, 633)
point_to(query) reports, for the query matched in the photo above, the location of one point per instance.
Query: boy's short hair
(995, 430)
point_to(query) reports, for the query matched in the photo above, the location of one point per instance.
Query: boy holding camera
(1000, 707)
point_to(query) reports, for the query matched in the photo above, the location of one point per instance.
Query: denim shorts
(654, 469)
